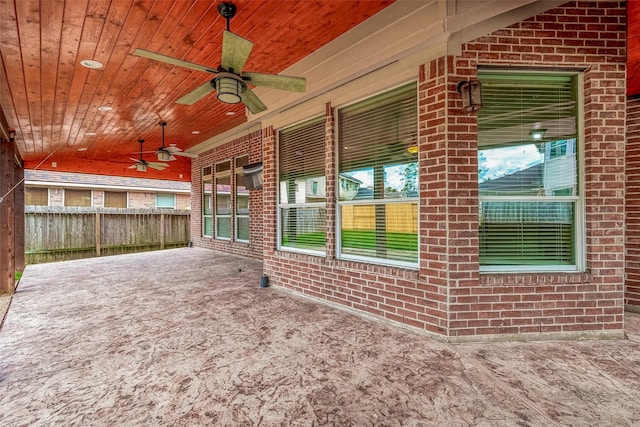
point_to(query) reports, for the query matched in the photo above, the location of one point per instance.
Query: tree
(410, 178)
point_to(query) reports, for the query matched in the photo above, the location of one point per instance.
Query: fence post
(161, 231)
(98, 234)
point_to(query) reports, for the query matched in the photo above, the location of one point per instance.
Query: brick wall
(447, 295)
(141, 200)
(183, 201)
(251, 145)
(632, 290)
(585, 35)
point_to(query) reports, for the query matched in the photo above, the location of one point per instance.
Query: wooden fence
(63, 233)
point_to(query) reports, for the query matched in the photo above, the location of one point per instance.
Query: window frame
(210, 216)
(579, 216)
(126, 199)
(338, 203)
(238, 171)
(280, 206)
(216, 175)
(30, 188)
(64, 197)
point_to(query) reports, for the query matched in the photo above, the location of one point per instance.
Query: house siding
(447, 295)
(632, 282)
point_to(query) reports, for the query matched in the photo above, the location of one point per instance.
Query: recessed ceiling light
(105, 108)
(230, 113)
(90, 134)
(91, 63)
(82, 149)
(195, 132)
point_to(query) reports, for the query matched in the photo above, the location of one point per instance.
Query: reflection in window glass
(207, 205)
(528, 171)
(378, 178)
(242, 201)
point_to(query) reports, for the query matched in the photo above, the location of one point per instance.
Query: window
(77, 197)
(207, 202)
(165, 200)
(115, 199)
(378, 178)
(242, 202)
(301, 176)
(528, 173)
(223, 200)
(36, 196)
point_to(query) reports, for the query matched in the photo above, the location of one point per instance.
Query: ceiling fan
(230, 82)
(141, 165)
(166, 154)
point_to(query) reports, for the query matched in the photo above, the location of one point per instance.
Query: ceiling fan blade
(185, 154)
(159, 164)
(235, 51)
(293, 84)
(196, 95)
(173, 61)
(155, 166)
(132, 167)
(252, 102)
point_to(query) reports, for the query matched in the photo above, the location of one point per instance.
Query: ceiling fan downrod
(227, 10)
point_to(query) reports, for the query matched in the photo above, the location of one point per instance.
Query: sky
(498, 162)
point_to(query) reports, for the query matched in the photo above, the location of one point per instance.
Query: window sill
(511, 278)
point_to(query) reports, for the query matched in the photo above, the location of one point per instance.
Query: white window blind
(38, 196)
(115, 199)
(378, 178)
(528, 171)
(77, 197)
(302, 183)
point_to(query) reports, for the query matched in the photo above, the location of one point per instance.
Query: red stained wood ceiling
(52, 101)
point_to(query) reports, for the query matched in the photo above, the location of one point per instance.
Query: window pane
(242, 228)
(165, 200)
(36, 196)
(77, 197)
(115, 199)
(302, 182)
(378, 160)
(304, 227)
(527, 233)
(223, 196)
(387, 231)
(302, 163)
(527, 147)
(223, 227)
(207, 206)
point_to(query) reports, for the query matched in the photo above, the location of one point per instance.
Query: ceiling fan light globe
(229, 87)
(141, 167)
(163, 156)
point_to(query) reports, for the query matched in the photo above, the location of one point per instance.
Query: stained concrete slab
(187, 337)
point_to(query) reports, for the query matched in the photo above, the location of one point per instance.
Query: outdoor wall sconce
(471, 95)
(537, 134)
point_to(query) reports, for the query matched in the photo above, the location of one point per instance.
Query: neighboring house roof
(68, 179)
(349, 178)
(529, 179)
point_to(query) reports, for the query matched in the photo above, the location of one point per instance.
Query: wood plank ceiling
(53, 101)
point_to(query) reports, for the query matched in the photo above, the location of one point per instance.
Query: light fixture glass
(195, 132)
(105, 108)
(229, 87)
(537, 134)
(164, 156)
(141, 167)
(91, 63)
(471, 91)
(413, 149)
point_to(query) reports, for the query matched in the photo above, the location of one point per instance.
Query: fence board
(61, 233)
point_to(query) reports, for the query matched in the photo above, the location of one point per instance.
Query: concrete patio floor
(187, 337)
